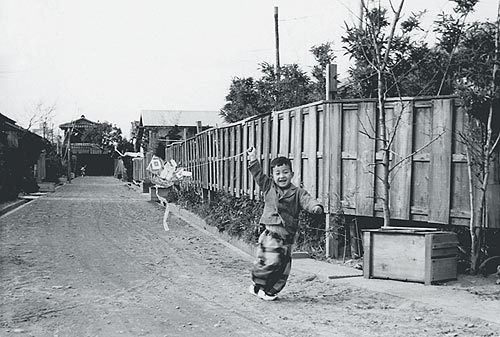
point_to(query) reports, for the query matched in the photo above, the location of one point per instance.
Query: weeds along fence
(333, 148)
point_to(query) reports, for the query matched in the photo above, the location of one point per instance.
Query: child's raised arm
(260, 178)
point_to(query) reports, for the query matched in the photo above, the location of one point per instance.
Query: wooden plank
(367, 257)
(251, 143)
(297, 148)
(400, 193)
(443, 269)
(327, 158)
(275, 138)
(285, 135)
(245, 159)
(335, 131)
(398, 256)
(258, 146)
(306, 140)
(422, 117)
(232, 164)
(218, 153)
(209, 159)
(321, 181)
(238, 150)
(327, 155)
(205, 158)
(226, 159)
(366, 158)
(311, 136)
(428, 260)
(266, 143)
(349, 141)
(440, 166)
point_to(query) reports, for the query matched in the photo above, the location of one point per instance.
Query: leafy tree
(174, 133)
(242, 100)
(249, 97)
(408, 66)
(472, 72)
(105, 135)
(293, 88)
(323, 54)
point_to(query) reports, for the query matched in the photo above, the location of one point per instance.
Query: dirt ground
(93, 259)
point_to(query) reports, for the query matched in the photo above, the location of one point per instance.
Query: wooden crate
(410, 254)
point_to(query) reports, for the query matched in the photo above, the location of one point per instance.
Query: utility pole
(276, 33)
(331, 81)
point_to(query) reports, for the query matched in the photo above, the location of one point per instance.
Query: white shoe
(253, 289)
(265, 296)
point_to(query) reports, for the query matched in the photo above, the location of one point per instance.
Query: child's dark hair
(279, 161)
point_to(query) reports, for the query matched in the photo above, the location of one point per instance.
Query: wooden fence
(333, 150)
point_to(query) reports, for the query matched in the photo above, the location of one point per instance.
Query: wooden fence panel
(251, 143)
(297, 146)
(320, 159)
(232, 164)
(239, 150)
(460, 202)
(400, 193)
(335, 130)
(246, 145)
(334, 160)
(327, 157)
(266, 143)
(285, 133)
(275, 134)
(349, 157)
(421, 161)
(310, 142)
(440, 169)
(218, 151)
(226, 176)
(366, 158)
(258, 146)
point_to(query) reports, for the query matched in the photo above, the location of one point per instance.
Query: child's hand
(251, 154)
(317, 209)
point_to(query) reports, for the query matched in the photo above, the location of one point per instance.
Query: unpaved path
(92, 259)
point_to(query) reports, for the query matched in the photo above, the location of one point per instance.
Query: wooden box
(410, 254)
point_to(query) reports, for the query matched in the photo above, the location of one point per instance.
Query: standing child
(283, 202)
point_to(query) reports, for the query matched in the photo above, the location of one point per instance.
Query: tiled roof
(180, 118)
(81, 123)
(87, 148)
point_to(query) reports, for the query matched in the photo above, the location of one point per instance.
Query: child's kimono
(280, 217)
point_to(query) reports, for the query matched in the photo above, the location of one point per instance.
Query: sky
(110, 59)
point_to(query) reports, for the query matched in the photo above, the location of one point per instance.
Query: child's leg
(273, 263)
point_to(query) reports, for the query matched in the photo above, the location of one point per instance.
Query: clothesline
(217, 160)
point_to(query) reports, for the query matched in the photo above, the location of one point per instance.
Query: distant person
(283, 202)
(82, 170)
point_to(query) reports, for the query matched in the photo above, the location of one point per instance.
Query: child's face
(282, 176)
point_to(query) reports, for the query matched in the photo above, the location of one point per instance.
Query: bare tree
(41, 115)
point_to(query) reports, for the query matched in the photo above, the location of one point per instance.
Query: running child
(283, 202)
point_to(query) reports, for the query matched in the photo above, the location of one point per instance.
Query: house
(96, 159)
(163, 127)
(22, 159)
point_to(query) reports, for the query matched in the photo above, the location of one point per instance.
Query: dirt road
(93, 259)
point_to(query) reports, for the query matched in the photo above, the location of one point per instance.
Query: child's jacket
(282, 211)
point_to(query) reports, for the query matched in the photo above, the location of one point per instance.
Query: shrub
(239, 217)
